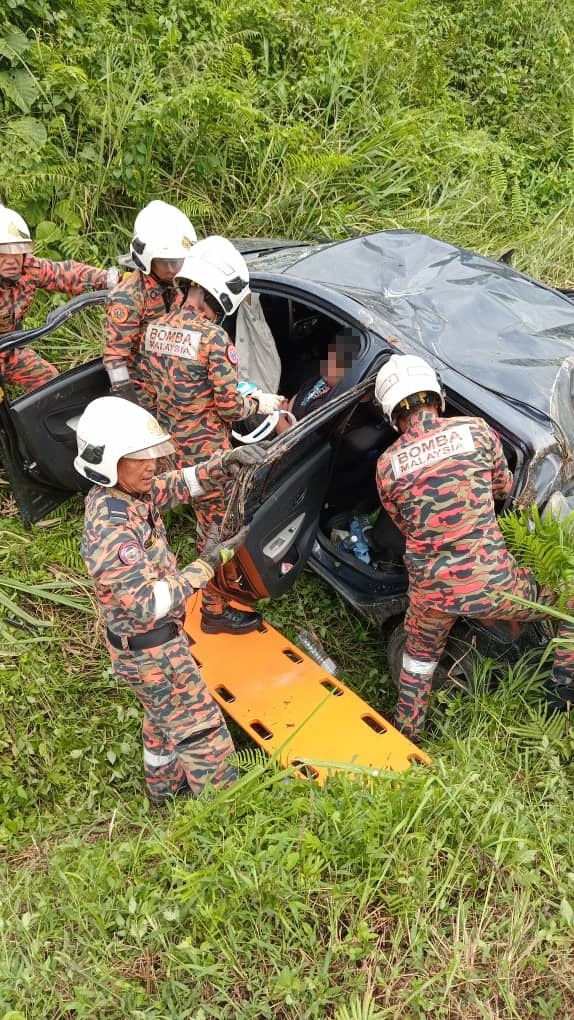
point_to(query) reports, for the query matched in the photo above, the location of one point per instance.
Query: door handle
(276, 548)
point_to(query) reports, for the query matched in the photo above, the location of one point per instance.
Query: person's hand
(227, 463)
(268, 402)
(126, 391)
(198, 573)
(216, 553)
(244, 456)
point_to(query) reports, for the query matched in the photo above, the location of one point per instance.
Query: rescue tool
(292, 707)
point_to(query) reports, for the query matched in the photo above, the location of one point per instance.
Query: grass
(446, 892)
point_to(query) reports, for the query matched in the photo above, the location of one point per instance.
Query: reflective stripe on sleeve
(118, 375)
(420, 667)
(189, 473)
(162, 599)
(155, 761)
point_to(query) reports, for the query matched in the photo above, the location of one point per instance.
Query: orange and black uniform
(22, 366)
(126, 551)
(193, 365)
(438, 483)
(136, 301)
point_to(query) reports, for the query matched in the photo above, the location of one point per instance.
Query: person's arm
(118, 564)
(72, 277)
(284, 423)
(182, 486)
(198, 481)
(384, 487)
(123, 331)
(502, 478)
(223, 378)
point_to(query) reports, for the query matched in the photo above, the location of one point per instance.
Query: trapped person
(316, 389)
(438, 482)
(193, 366)
(163, 236)
(21, 275)
(142, 593)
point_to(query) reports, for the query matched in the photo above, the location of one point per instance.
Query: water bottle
(360, 546)
(311, 644)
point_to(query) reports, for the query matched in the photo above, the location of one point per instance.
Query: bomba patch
(432, 448)
(130, 553)
(119, 313)
(232, 354)
(175, 343)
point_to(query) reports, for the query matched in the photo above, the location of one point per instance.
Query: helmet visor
(16, 248)
(152, 452)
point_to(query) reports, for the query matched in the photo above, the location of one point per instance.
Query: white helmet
(216, 265)
(14, 233)
(403, 376)
(111, 428)
(160, 232)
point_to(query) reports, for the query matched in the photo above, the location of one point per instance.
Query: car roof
(495, 326)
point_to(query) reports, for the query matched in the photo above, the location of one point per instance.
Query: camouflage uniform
(186, 742)
(137, 300)
(438, 482)
(193, 365)
(22, 366)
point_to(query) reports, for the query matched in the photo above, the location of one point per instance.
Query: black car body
(502, 343)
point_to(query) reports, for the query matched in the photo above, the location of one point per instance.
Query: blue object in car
(360, 546)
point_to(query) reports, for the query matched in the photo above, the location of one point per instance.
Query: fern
(497, 177)
(548, 731)
(545, 546)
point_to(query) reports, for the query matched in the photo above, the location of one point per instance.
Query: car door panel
(46, 440)
(283, 528)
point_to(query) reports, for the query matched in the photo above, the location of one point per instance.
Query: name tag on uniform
(175, 343)
(432, 448)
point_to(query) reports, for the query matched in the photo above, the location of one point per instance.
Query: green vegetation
(292, 118)
(445, 893)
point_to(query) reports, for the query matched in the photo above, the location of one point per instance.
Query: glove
(126, 391)
(268, 402)
(198, 573)
(228, 463)
(244, 456)
(215, 554)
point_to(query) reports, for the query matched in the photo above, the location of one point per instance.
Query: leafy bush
(297, 118)
(447, 893)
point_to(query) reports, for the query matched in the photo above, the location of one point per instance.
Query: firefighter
(21, 275)
(193, 366)
(438, 482)
(163, 236)
(142, 593)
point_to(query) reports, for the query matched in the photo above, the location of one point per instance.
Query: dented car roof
(502, 330)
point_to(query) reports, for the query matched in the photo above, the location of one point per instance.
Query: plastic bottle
(360, 546)
(311, 644)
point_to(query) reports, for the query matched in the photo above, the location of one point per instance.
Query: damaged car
(503, 344)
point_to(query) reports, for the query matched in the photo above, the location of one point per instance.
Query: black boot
(230, 621)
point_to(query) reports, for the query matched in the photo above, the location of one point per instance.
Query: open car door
(282, 503)
(37, 442)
